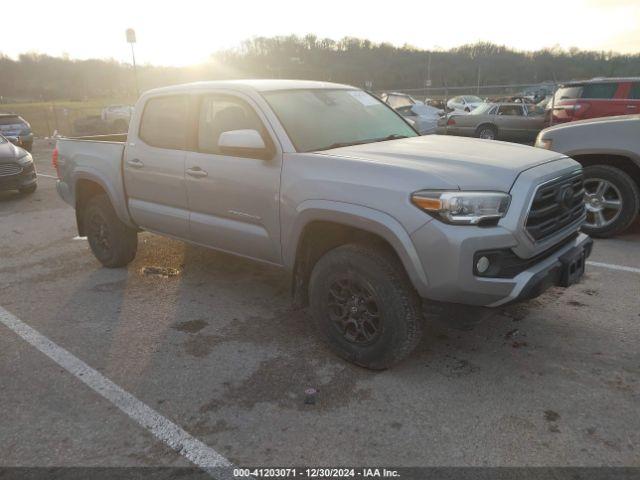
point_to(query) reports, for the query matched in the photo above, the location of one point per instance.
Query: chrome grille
(556, 205)
(9, 169)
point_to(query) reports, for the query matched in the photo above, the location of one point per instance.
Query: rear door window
(164, 122)
(634, 93)
(599, 90)
(511, 110)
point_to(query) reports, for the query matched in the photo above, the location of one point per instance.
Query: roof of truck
(600, 80)
(261, 85)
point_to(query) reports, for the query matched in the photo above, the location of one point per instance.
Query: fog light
(482, 265)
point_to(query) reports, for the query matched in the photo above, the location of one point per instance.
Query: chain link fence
(88, 118)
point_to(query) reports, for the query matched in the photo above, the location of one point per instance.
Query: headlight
(546, 143)
(25, 160)
(463, 208)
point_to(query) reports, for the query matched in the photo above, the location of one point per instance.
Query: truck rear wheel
(112, 242)
(364, 306)
(612, 199)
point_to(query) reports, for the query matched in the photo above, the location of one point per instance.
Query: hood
(9, 152)
(596, 121)
(468, 163)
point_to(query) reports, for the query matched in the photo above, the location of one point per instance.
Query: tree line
(354, 61)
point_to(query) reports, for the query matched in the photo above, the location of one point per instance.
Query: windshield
(329, 118)
(482, 109)
(2, 139)
(472, 99)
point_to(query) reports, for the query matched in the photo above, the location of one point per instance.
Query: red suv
(600, 97)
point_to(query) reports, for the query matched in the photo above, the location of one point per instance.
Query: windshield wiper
(393, 136)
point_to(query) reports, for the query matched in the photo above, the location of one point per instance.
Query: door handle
(196, 172)
(135, 163)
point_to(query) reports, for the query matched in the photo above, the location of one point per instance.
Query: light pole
(131, 39)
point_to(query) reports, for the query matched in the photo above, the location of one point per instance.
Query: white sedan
(464, 103)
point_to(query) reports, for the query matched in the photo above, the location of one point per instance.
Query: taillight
(451, 121)
(54, 161)
(580, 109)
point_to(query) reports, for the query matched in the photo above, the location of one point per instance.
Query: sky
(184, 32)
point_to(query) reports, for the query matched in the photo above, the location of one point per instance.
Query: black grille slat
(548, 215)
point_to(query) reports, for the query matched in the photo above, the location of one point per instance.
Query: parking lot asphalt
(218, 350)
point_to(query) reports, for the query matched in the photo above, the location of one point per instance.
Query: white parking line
(165, 430)
(621, 268)
(47, 176)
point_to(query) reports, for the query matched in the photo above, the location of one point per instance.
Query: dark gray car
(17, 171)
(17, 130)
(491, 121)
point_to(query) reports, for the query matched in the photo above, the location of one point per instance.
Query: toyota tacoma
(329, 183)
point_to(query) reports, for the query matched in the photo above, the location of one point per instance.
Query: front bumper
(23, 179)
(449, 266)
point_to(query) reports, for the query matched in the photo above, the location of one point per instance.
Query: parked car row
(504, 121)
(17, 130)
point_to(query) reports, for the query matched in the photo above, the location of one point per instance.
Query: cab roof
(258, 85)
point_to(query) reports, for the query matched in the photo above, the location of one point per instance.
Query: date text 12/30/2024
(315, 473)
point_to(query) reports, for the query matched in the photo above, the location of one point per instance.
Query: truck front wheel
(612, 199)
(112, 242)
(364, 306)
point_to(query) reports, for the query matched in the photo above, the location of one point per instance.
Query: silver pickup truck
(331, 184)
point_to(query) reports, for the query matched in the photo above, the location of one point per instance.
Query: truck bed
(97, 159)
(113, 138)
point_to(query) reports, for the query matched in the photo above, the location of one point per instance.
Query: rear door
(234, 200)
(511, 122)
(601, 100)
(154, 167)
(633, 100)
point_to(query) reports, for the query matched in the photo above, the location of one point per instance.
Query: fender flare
(634, 157)
(363, 218)
(116, 198)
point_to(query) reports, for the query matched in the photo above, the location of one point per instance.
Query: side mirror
(243, 143)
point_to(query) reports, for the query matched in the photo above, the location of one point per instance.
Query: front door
(233, 200)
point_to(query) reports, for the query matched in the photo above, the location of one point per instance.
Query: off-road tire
(397, 302)
(112, 242)
(630, 197)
